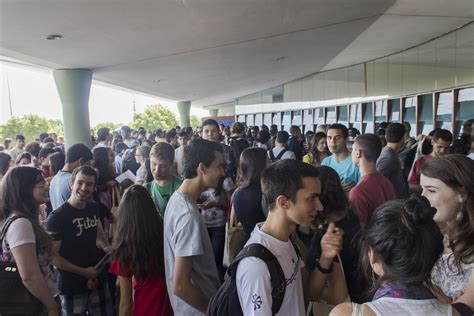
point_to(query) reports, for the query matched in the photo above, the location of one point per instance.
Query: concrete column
(74, 87)
(213, 112)
(184, 108)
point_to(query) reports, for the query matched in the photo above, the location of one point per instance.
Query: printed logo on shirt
(85, 223)
(296, 270)
(257, 301)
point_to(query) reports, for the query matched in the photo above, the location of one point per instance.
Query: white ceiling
(212, 51)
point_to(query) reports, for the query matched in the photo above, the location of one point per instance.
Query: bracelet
(322, 270)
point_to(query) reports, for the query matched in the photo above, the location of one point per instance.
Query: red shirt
(415, 174)
(372, 191)
(150, 295)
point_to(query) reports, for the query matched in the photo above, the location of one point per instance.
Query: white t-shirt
(253, 278)
(178, 157)
(20, 233)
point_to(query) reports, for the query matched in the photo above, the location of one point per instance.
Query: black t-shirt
(357, 286)
(77, 231)
(247, 204)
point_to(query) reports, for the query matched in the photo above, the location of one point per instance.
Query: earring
(373, 276)
(459, 216)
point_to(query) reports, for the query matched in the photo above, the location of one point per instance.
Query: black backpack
(226, 300)
(272, 156)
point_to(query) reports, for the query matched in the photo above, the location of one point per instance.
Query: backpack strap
(277, 277)
(281, 154)
(272, 156)
(7, 224)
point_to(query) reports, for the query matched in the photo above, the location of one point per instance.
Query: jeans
(217, 236)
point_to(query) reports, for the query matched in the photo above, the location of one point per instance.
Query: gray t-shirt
(390, 166)
(59, 190)
(185, 235)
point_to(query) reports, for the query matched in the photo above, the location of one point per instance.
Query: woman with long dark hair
(25, 242)
(401, 244)
(137, 250)
(337, 210)
(318, 150)
(247, 199)
(448, 183)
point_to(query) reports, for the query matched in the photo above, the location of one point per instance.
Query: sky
(32, 90)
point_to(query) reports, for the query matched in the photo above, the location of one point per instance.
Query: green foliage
(195, 121)
(155, 116)
(111, 126)
(30, 126)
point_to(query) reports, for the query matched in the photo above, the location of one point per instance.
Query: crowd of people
(350, 223)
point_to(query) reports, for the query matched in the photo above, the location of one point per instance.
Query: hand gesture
(331, 243)
(90, 273)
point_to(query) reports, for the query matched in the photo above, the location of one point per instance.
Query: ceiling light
(53, 37)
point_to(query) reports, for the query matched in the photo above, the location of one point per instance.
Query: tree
(30, 126)
(111, 126)
(195, 121)
(155, 116)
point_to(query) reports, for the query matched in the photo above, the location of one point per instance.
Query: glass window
(267, 119)
(286, 122)
(380, 111)
(308, 120)
(394, 111)
(297, 118)
(319, 116)
(409, 114)
(250, 120)
(241, 118)
(277, 119)
(330, 115)
(367, 118)
(464, 108)
(258, 119)
(444, 110)
(342, 116)
(425, 120)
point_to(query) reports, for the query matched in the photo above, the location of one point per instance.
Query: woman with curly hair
(137, 250)
(337, 210)
(448, 183)
(400, 246)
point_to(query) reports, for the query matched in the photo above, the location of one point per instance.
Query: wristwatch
(322, 270)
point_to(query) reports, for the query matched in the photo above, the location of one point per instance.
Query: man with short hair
(291, 193)
(373, 188)
(103, 138)
(126, 133)
(19, 147)
(165, 183)
(179, 152)
(280, 151)
(296, 142)
(210, 131)
(172, 139)
(191, 272)
(340, 160)
(73, 227)
(389, 163)
(441, 140)
(59, 189)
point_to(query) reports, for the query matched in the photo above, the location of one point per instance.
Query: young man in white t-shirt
(290, 191)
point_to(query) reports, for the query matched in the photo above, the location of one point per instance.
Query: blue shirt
(348, 172)
(59, 190)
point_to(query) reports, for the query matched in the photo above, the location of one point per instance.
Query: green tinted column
(213, 112)
(74, 87)
(184, 108)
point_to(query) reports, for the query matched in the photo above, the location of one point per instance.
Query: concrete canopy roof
(213, 51)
